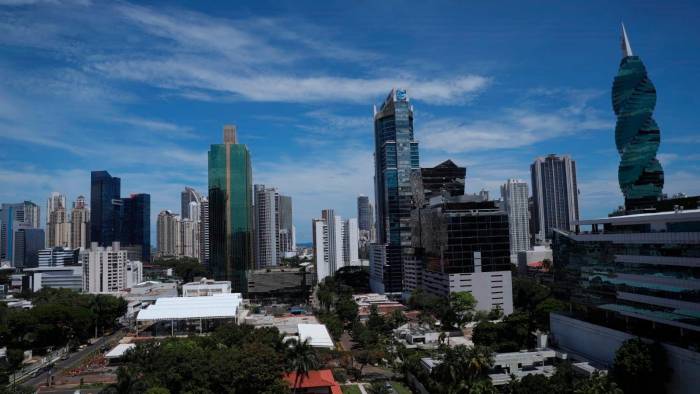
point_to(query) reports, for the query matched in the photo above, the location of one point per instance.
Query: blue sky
(141, 90)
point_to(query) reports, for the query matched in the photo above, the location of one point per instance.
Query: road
(72, 360)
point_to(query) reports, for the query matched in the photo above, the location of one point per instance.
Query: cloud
(165, 128)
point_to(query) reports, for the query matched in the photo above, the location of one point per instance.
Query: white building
(168, 233)
(58, 257)
(204, 231)
(66, 277)
(515, 199)
(133, 274)
(188, 237)
(105, 269)
(57, 223)
(266, 227)
(351, 242)
(205, 287)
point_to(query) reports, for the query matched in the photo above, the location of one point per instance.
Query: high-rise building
(287, 238)
(395, 158)
(12, 218)
(327, 243)
(80, 224)
(204, 232)
(105, 208)
(136, 224)
(364, 213)
(28, 242)
(351, 242)
(555, 195)
(189, 238)
(57, 221)
(445, 177)
(186, 197)
(167, 234)
(637, 135)
(514, 194)
(266, 227)
(230, 211)
(107, 269)
(463, 244)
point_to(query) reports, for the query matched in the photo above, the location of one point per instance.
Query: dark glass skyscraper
(444, 177)
(136, 225)
(364, 213)
(395, 158)
(105, 207)
(637, 135)
(230, 211)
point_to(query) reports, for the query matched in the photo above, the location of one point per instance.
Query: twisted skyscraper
(636, 134)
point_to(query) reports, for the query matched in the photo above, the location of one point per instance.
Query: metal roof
(218, 306)
(120, 350)
(317, 334)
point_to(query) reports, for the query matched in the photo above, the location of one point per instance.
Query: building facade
(445, 177)
(328, 243)
(554, 194)
(230, 211)
(395, 159)
(351, 242)
(204, 232)
(514, 194)
(464, 246)
(105, 269)
(57, 221)
(188, 196)
(136, 224)
(167, 233)
(287, 232)
(12, 218)
(58, 257)
(364, 213)
(28, 242)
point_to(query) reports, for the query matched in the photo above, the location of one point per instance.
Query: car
(65, 356)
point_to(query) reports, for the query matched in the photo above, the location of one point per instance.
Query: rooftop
(316, 379)
(219, 306)
(317, 334)
(120, 350)
(641, 218)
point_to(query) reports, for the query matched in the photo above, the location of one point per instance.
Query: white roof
(317, 334)
(119, 350)
(219, 306)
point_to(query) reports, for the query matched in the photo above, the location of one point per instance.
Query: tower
(230, 210)
(637, 135)
(554, 194)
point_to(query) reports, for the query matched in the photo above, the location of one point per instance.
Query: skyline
(143, 89)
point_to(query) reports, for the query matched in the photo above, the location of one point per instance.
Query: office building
(444, 178)
(204, 232)
(105, 208)
(167, 234)
(57, 221)
(188, 196)
(464, 245)
(395, 158)
(514, 194)
(58, 257)
(136, 224)
(105, 269)
(12, 218)
(28, 242)
(55, 277)
(637, 135)
(230, 211)
(554, 194)
(267, 227)
(189, 238)
(80, 224)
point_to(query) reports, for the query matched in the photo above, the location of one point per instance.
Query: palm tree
(301, 359)
(479, 360)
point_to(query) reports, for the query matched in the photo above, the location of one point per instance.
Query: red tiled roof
(315, 379)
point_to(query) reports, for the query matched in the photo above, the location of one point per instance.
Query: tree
(599, 384)
(376, 322)
(346, 308)
(302, 359)
(461, 368)
(381, 388)
(640, 367)
(333, 323)
(543, 309)
(396, 319)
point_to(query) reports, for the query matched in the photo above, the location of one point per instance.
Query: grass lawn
(400, 388)
(351, 389)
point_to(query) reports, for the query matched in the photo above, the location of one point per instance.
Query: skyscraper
(637, 135)
(167, 233)
(287, 237)
(204, 232)
(230, 211)
(57, 223)
(335, 243)
(80, 224)
(105, 207)
(186, 197)
(136, 224)
(28, 241)
(395, 158)
(13, 217)
(364, 213)
(266, 226)
(555, 194)
(515, 199)
(351, 242)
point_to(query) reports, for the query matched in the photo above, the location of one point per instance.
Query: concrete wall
(600, 344)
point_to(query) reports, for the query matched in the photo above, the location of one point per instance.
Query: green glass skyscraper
(230, 211)
(637, 135)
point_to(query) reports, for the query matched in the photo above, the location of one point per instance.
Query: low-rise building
(66, 277)
(206, 287)
(381, 301)
(534, 259)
